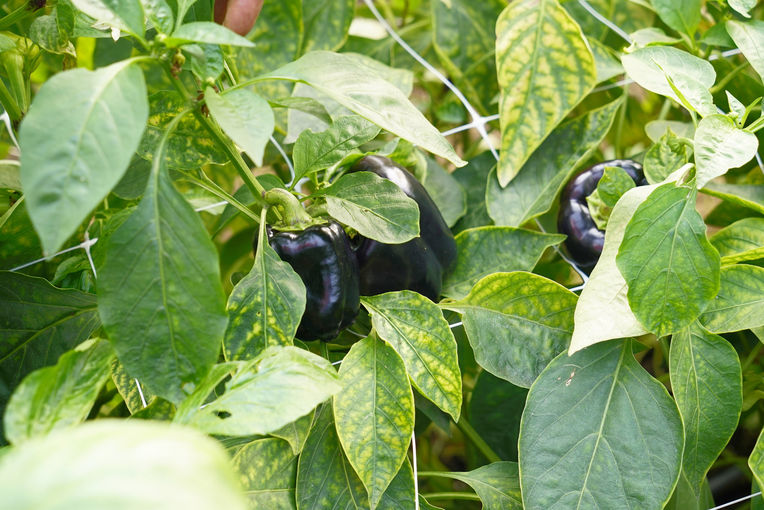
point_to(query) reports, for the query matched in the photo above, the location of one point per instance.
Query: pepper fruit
(585, 240)
(323, 258)
(418, 264)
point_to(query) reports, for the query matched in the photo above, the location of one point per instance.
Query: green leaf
(719, 146)
(656, 68)
(10, 175)
(143, 465)
(373, 98)
(681, 15)
(128, 389)
(74, 152)
(533, 191)
(487, 250)
(125, 15)
(687, 497)
(545, 68)
(749, 37)
(59, 396)
(295, 433)
(607, 65)
(265, 307)
(666, 156)
(495, 410)
(707, 384)
(326, 23)
(603, 311)
(244, 116)
(497, 485)
(375, 207)
(446, 192)
(473, 179)
(159, 292)
(655, 129)
(463, 36)
(613, 184)
(317, 151)
(159, 14)
(741, 241)
(38, 323)
(756, 460)
(750, 196)
(742, 6)
(738, 305)
(267, 471)
(205, 32)
(670, 267)
(517, 323)
(374, 413)
(651, 36)
(598, 431)
(737, 108)
(414, 326)
(325, 478)
(274, 389)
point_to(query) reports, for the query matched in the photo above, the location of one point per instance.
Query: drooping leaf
(326, 23)
(414, 326)
(38, 323)
(749, 37)
(497, 485)
(738, 305)
(368, 95)
(74, 152)
(374, 413)
(143, 465)
(58, 396)
(719, 146)
(245, 117)
(268, 471)
(598, 431)
(534, 189)
(274, 389)
(205, 32)
(741, 241)
(670, 267)
(750, 196)
(517, 323)
(375, 207)
(486, 250)
(545, 68)
(707, 384)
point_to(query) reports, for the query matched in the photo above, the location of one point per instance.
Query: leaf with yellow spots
(414, 326)
(545, 68)
(517, 323)
(267, 470)
(265, 307)
(374, 413)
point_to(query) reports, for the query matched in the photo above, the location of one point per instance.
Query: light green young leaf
(10, 175)
(750, 196)
(671, 269)
(737, 108)
(612, 186)
(206, 32)
(159, 14)
(681, 15)
(38, 323)
(414, 326)
(375, 207)
(741, 241)
(545, 68)
(749, 37)
(666, 156)
(373, 98)
(274, 389)
(497, 485)
(655, 129)
(120, 465)
(535, 188)
(719, 146)
(742, 6)
(267, 470)
(244, 116)
(74, 152)
(487, 250)
(316, 151)
(707, 384)
(374, 413)
(59, 396)
(265, 307)
(326, 24)
(517, 323)
(738, 305)
(125, 15)
(595, 421)
(651, 36)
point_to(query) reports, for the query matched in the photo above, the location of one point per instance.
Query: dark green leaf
(446, 192)
(473, 179)
(497, 485)
(496, 407)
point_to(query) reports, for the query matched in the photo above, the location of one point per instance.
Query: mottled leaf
(128, 388)
(741, 241)
(267, 471)
(738, 305)
(326, 23)
(295, 433)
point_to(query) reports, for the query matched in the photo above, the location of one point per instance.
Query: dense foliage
(150, 358)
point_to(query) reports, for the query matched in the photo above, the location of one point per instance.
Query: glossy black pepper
(585, 240)
(418, 264)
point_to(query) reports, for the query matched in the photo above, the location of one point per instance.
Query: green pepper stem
(478, 441)
(451, 495)
(9, 103)
(292, 211)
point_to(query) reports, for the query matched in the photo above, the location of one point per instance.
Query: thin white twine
(602, 19)
(286, 158)
(414, 465)
(7, 121)
(725, 505)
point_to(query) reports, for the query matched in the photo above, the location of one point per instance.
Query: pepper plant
(150, 357)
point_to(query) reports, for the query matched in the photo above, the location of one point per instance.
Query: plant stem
(620, 124)
(9, 103)
(209, 185)
(478, 441)
(15, 16)
(728, 78)
(451, 495)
